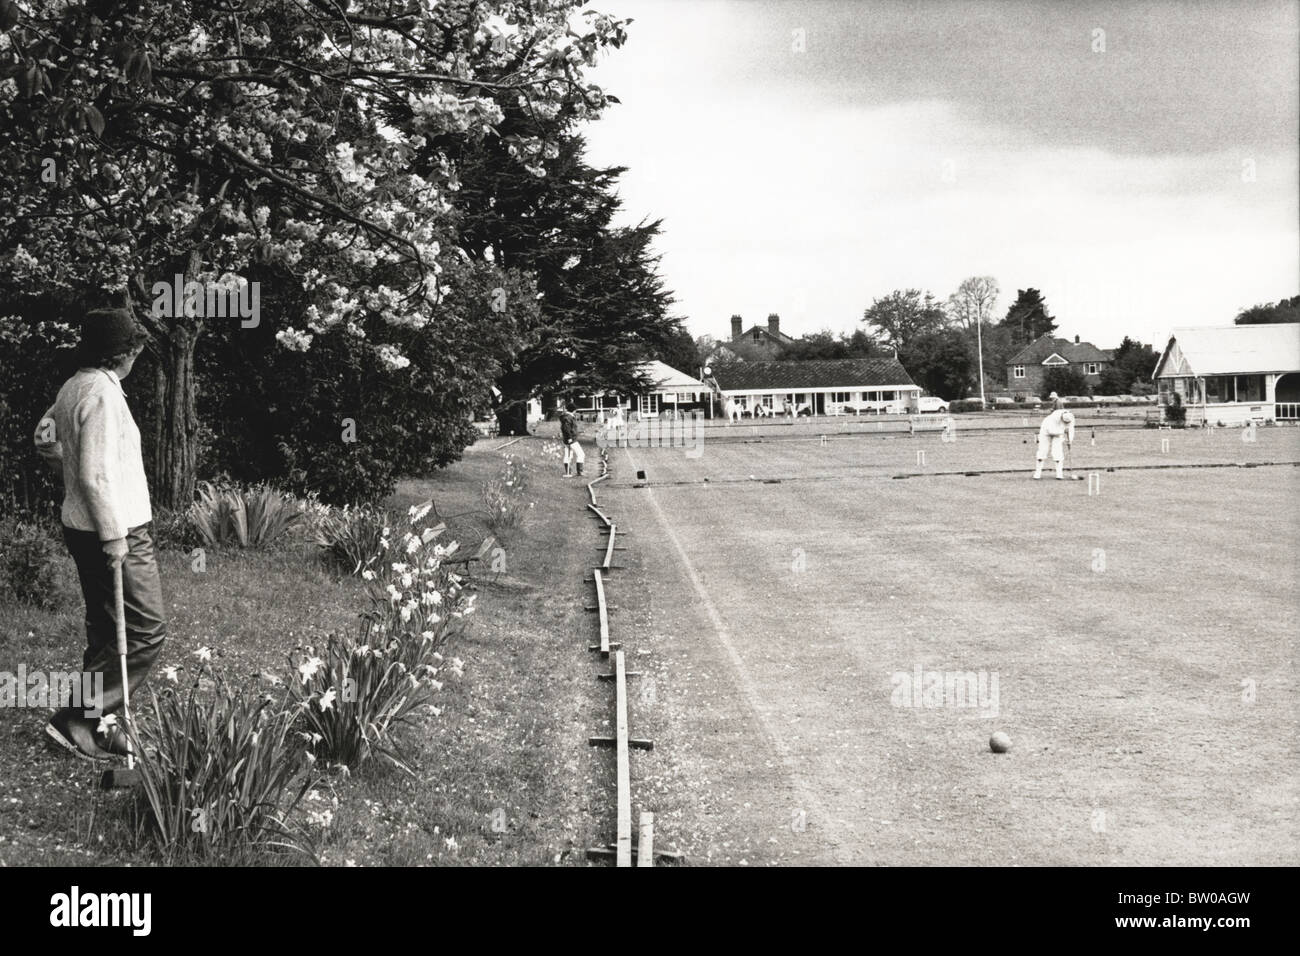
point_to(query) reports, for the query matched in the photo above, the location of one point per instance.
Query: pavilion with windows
(833, 387)
(1232, 374)
(670, 391)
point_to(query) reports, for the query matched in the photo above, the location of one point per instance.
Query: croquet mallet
(120, 778)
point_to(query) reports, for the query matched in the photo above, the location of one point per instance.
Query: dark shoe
(75, 737)
(113, 741)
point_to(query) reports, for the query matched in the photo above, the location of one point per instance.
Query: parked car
(1003, 400)
(932, 403)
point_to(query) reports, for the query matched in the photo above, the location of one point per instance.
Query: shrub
(1176, 412)
(314, 515)
(966, 405)
(1064, 380)
(174, 531)
(35, 358)
(253, 517)
(504, 496)
(29, 563)
(353, 538)
(221, 772)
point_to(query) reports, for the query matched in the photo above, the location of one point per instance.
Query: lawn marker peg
(1093, 441)
(823, 441)
(1094, 483)
(1164, 446)
(920, 458)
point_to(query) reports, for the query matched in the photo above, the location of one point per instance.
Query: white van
(932, 403)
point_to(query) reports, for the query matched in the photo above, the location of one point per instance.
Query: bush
(1176, 412)
(29, 563)
(174, 531)
(504, 496)
(35, 358)
(1064, 380)
(966, 405)
(221, 772)
(353, 538)
(253, 517)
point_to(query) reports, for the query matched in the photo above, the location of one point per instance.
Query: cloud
(913, 145)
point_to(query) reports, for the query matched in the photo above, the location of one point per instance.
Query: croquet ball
(999, 743)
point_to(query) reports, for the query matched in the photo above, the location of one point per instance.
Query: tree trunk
(512, 417)
(176, 418)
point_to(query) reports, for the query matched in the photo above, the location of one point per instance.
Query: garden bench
(484, 550)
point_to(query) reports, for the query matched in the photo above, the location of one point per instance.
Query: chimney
(735, 327)
(1076, 340)
(773, 324)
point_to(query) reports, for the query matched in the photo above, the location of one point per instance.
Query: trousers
(573, 452)
(146, 625)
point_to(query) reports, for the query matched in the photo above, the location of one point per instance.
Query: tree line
(939, 342)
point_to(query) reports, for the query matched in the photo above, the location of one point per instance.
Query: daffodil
(309, 667)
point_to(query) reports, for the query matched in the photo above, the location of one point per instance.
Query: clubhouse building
(835, 387)
(1232, 374)
(670, 391)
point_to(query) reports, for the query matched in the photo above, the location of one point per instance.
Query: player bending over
(1054, 434)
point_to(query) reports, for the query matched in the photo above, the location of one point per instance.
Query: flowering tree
(143, 140)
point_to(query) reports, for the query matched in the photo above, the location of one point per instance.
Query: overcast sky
(915, 143)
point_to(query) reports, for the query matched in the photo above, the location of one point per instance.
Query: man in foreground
(89, 435)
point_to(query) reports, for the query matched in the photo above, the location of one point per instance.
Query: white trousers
(1055, 444)
(573, 452)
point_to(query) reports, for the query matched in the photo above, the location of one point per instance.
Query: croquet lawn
(1143, 642)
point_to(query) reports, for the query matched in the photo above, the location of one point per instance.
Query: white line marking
(809, 802)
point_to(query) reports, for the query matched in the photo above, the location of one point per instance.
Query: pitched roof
(778, 336)
(667, 378)
(1043, 347)
(836, 374)
(1233, 350)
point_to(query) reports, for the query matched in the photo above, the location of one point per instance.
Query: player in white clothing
(1054, 434)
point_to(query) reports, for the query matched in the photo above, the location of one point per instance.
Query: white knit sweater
(98, 443)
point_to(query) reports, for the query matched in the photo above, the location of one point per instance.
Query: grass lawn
(504, 775)
(1143, 641)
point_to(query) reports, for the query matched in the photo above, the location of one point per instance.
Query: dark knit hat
(109, 332)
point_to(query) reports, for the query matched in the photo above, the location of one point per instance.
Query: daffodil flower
(309, 667)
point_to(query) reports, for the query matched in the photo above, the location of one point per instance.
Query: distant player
(1054, 434)
(615, 427)
(572, 448)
